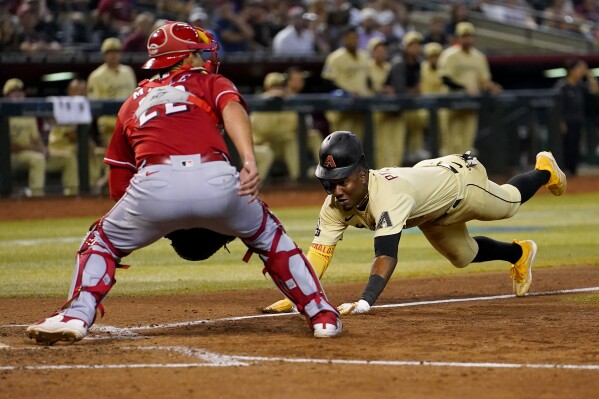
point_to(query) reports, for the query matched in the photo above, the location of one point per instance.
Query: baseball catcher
(170, 170)
(438, 195)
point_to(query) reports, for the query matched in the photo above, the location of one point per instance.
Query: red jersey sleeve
(119, 152)
(223, 92)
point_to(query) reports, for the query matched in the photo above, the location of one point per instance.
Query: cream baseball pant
(478, 199)
(35, 164)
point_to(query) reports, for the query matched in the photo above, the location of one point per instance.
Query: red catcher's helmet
(172, 42)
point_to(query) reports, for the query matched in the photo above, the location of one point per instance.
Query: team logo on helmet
(329, 162)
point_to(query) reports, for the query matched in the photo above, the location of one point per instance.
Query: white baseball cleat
(57, 328)
(326, 324)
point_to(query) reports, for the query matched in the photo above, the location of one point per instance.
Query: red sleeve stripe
(226, 92)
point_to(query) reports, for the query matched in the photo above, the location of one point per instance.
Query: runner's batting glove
(354, 308)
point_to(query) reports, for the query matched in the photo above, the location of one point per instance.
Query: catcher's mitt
(197, 243)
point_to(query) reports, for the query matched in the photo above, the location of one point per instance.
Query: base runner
(437, 195)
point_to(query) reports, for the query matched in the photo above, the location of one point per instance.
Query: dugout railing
(513, 125)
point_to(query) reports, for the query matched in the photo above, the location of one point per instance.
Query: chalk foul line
(211, 359)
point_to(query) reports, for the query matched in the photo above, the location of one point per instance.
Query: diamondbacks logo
(329, 162)
(384, 221)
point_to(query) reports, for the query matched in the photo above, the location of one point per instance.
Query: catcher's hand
(354, 308)
(282, 306)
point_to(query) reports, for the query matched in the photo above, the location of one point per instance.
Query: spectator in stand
(561, 15)
(257, 15)
(110, 81)
(368, 28)
(436, 32)
(473, 80)
(574, 91)
(458, 13)
(391, 35)
(342, 14)
(404, 78)
(275, 132)
(136, 41)
(200, 18)
(76, 30)
(346, 72)
(9, 39)
(37, 35)
(121, 12)
(588, 9)
(515, 12)
(235, 33)
(28, 151)
(296, 38)
(104, 26)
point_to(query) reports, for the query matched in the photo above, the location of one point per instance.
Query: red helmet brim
(164, 61)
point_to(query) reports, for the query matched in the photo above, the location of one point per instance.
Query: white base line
(130, 330)
(395, 305)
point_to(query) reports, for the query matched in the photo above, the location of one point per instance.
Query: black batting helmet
(340, 153)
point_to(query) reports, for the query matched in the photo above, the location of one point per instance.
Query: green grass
(37, 257)
(581, 298)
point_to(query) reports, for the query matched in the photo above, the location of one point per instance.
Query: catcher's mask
(340, 153)
(174, 41)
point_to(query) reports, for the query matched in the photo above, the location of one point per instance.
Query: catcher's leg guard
(288, 267)
(93, 278)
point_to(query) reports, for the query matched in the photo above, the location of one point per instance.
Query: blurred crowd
(370, 48)
(280, 26)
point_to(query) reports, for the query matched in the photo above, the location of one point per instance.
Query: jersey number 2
(169, 109)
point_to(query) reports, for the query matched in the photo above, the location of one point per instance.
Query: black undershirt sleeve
(451, 83)
(387, 245)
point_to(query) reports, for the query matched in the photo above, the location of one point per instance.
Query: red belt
(166, 159)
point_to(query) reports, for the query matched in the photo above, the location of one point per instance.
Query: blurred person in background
(391, 35)
(63, 141)
(389, 127)
(28, 151)
(295, 84)
(346, 72)
(458, 13)
(76, 29)
(258, 16)
(110, 81)
(235, 33)
(436, 32)
(431, 82)
(368, 28)
(26, 146)
(464, 69)
(200, 18)
(136, 41)
(574, 91)
(296, 37)
(404, 78)
(36, 34)
(275, 132)
(9, 39)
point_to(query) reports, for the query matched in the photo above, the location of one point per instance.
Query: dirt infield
(464, 336)
(540, 346)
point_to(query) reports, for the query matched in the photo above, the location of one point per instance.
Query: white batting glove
(354, 308)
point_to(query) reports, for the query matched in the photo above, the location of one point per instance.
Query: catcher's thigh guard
(93, 278)
(288, 267)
